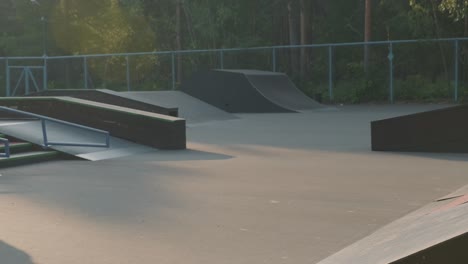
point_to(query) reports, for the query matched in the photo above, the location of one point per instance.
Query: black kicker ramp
(441, 130)
(248, 91)
(109, 97)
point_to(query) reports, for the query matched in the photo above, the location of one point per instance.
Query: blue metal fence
(6, 148)
(128, 69)
(47, 142)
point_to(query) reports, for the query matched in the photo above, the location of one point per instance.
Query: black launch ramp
(441, 130)
(248, 91)
(155, 130)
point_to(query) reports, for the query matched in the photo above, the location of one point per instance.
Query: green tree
(99, 27)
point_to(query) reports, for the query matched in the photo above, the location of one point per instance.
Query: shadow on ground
(12, 255)
(179, 155)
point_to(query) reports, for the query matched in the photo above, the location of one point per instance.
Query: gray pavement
(263, 188)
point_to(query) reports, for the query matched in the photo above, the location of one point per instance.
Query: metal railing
(6, 147)
(47, 143)
(273, 51)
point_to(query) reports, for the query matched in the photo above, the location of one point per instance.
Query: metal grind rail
(46, 141)
(6, 146)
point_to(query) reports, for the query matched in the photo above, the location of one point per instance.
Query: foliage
(64, 27)
(457, 9)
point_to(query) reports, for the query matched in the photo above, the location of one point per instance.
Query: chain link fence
(405, 70)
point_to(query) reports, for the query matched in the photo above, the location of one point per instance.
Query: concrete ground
(264, 188)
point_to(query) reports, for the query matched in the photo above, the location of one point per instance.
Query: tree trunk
(465, 32)
(293, 34)
(178, 39)
(68, 45)
(438, 34)
(304, 39)
(188, 21)
(464, 50)
(367, 33)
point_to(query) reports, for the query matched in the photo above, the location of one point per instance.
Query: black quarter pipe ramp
(248, 91)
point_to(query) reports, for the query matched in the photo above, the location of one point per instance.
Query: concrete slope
(31, 131)
(191, 109)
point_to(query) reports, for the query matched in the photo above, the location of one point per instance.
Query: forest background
(423, 71)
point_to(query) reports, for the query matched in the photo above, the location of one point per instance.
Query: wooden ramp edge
(436, 233)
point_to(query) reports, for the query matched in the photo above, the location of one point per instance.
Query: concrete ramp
(190, 108)
(31, 131)
(248, 91)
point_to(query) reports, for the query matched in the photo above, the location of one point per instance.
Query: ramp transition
(190, 108)
(441, 130)
(248, 91)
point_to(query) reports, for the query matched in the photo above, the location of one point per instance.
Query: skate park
(191, 176)
(284, 132)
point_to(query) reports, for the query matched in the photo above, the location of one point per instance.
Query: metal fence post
(273, 59)
(455, 81)
(221, 59)
(26, 80)
(173, 71)
(44, 133)
(44, 72)
(390, 60)
(330, 72)
(85, 70)
(7, 77)
(129, 88)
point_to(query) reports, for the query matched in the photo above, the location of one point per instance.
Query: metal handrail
(6, 144)
(48, 143)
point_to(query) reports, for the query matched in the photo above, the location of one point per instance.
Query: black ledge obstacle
(441, 130)
(155, 130)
